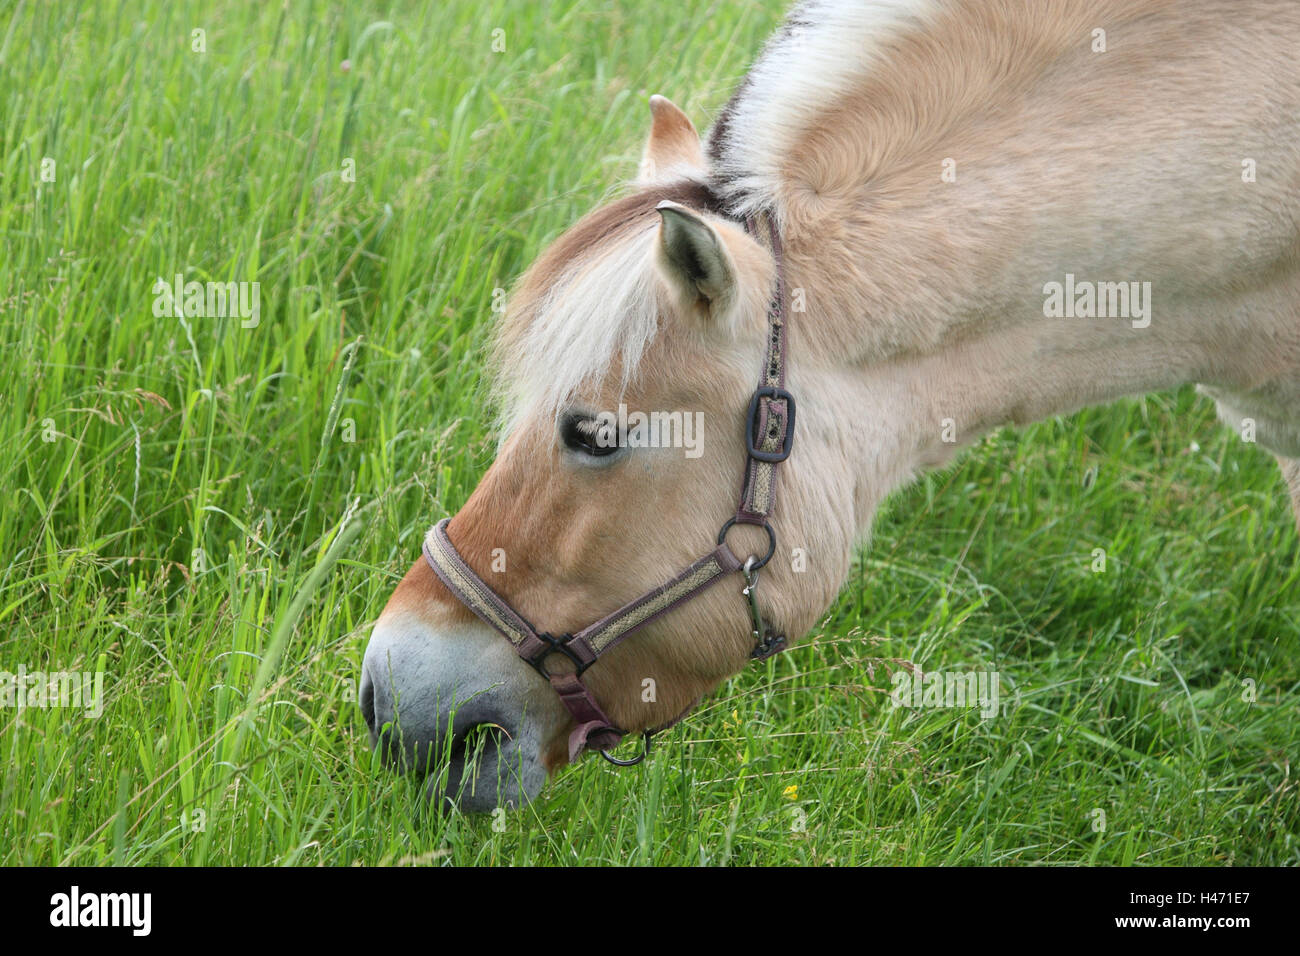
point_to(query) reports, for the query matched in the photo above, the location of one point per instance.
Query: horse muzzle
(457, 708)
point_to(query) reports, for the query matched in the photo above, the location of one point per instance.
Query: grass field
(187, 513)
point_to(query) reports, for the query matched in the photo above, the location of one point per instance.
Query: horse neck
(926, 296)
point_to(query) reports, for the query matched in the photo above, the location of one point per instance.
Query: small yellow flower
(791, 792)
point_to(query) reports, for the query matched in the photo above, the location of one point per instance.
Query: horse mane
(812, 60)
(850, 92)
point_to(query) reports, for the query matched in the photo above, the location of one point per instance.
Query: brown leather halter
(769, 435)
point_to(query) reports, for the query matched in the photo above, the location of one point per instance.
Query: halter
(769, 435)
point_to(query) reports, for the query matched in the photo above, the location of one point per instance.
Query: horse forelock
(588, 308)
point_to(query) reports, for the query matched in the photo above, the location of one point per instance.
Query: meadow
(213, 511)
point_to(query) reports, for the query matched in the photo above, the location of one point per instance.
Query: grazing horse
(932, 218)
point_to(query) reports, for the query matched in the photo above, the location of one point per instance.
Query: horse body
(941, 173)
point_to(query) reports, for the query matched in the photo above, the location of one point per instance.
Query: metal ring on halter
(771, 540)
(645, 752)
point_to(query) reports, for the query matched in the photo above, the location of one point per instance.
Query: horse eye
(582, 433)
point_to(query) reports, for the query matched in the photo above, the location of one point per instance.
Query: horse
(933, 218)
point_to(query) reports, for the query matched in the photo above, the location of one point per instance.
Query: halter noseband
(769, 434)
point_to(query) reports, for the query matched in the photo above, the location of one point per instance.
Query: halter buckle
(752, 426)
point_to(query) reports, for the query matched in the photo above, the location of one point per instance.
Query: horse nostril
(479, 740)
(482, 771)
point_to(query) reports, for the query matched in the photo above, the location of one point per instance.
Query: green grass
(200, 528)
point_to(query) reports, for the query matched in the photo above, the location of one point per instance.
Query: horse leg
(1291, 472)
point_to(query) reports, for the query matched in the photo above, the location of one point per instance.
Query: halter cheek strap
(769, 434)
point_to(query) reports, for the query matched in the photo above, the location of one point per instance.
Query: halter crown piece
(769, 435)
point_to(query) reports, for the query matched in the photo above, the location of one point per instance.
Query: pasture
(212, 510)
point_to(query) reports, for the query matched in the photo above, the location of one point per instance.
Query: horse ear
(673, 149)
(695, 259)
